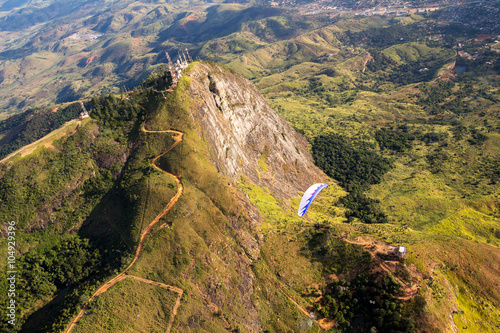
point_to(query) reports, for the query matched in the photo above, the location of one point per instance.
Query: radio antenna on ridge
(171, 68)
(189, 57)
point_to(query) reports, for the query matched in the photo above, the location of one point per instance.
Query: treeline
(356, 167)
(367, 303)
(25, 128)
(361, 301)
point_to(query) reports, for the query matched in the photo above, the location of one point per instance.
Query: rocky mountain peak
(246, 136)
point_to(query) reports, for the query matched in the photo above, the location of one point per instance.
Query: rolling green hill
(88, 47)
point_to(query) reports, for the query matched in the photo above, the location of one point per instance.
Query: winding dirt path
(323, 324)
(178, 138)
(179, 291)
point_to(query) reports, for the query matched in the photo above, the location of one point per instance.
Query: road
(32, 146)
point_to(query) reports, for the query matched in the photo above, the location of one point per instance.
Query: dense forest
(363, 301)
(367, 303)
(356, 167)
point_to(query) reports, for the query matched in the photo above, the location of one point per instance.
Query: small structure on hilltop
(394, 252)
(181, 63)
(189, 57)
(84, 114)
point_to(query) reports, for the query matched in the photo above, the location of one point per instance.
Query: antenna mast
(189, 57)
(171, 68)
(182, 56)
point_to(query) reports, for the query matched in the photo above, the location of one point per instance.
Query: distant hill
(81, 48)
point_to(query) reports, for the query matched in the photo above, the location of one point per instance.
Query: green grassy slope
(441, 134)
(85, 202)
(91, 188)
(130, 306)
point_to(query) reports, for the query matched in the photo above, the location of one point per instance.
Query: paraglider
(309, 196)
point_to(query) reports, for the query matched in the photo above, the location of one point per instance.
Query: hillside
(229, 243)
(54, 52)
(106, 161)
(400, 113)
(414, 140)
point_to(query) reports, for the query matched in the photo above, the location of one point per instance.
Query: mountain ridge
(236, 233)
(218, 215)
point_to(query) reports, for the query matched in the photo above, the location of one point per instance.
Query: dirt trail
(179, 291)
(178, 138)
(45, 141)
(324, 323)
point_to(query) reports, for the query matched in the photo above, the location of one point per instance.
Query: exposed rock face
(247, 137)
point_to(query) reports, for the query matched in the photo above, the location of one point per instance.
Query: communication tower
(171, 69)
(189, 57)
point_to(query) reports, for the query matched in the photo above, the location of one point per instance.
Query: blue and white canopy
(309, 196)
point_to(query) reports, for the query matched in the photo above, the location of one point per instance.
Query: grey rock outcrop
(246, 136)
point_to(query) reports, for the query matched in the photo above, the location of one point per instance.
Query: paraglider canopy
(309, 196)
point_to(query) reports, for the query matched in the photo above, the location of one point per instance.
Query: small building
(83, 115)
(401, 251)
